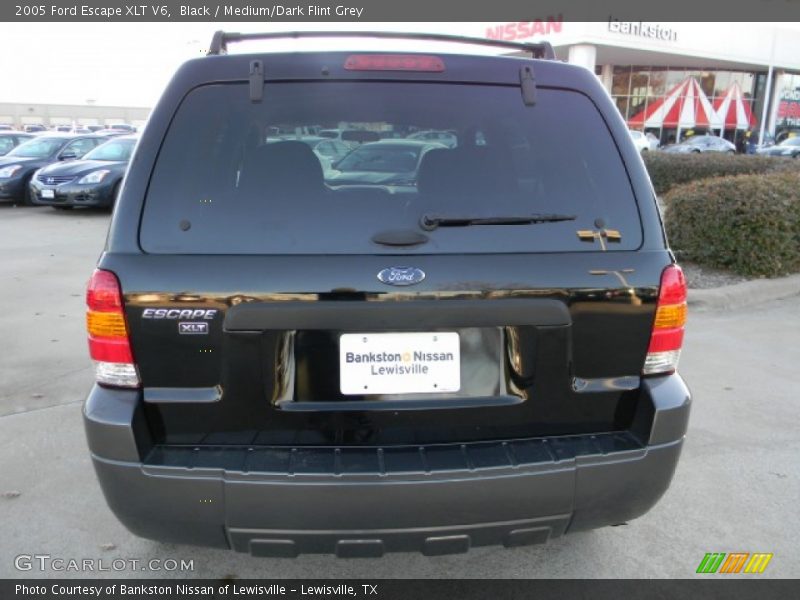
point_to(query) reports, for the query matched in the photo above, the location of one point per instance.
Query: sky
(129, 64)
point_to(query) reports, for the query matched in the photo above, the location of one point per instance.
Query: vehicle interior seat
(469, 171)
(288, 168)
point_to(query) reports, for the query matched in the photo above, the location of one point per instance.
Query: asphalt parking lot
(736, 488)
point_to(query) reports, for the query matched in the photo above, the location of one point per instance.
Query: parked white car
(640, 141)
(655, 143)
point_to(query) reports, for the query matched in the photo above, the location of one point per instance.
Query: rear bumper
(364, 502)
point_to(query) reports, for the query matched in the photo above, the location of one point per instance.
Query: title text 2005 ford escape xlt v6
(479, 349)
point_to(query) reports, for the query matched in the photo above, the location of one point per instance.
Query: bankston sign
(551, 24)
(654, 31)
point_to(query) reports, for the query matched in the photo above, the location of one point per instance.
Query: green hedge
(749, 224)
(668, 170)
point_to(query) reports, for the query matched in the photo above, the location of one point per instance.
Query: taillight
(109, 345)
(394, 62)
(666, 338)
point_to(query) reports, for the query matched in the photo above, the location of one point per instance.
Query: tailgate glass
(241, 177)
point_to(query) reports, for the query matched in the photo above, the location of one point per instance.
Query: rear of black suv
(483, 353)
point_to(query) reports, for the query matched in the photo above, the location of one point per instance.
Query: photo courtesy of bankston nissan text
(182, 590)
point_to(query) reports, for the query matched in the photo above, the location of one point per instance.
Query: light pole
(767, 93)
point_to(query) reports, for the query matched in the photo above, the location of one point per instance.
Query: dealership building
(675, 78)
(20, 115)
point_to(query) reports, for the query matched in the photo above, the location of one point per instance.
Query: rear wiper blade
(431, 222)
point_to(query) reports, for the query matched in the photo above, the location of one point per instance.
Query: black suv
(288, 366)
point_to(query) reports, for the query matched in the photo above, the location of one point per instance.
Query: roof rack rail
(221, 39)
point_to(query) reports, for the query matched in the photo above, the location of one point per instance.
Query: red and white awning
(733, 110)
(685, 106)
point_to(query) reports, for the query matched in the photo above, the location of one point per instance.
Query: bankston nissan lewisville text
(398, 368)
(371, 357)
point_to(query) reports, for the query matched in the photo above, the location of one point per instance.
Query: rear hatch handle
(416, 315)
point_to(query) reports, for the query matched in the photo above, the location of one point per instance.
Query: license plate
(399, 363)
(50, 194)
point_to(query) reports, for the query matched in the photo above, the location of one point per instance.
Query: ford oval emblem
(401, 275)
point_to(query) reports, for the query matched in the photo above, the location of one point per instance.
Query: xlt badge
(193, 328)
(401, 275)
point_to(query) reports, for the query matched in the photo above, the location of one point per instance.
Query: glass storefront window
(707, 83)
(640, 81)
(658, 83)
(621, 82)
(637, 88)
(721, 82)
(674, 77)
(653, 99)
(636, 104)
(622, 104)
(748, 84)
(639, 77)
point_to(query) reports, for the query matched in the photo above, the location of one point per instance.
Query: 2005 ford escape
(468, 343)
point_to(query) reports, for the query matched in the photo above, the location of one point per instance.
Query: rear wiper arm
(431, 222)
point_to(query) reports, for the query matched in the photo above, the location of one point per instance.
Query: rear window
(239, 177)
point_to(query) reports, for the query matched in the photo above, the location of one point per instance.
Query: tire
(730, 152)
(26, 197)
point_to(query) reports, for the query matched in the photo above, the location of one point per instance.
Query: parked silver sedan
(702, 143)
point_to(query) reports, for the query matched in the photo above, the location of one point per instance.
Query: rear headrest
(289, 167)
(466, 171)
(437, 169)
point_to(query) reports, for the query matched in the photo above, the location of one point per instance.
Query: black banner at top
(392, 10)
